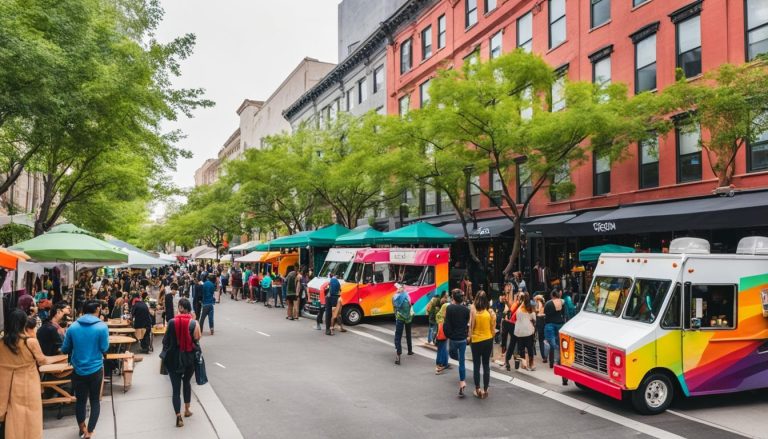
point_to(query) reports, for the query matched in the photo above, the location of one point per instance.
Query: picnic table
(57, 394)
(118, 323)
(121, 330)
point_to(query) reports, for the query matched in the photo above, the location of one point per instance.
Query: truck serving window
(717, 304)
(608, 295)
(646, 299)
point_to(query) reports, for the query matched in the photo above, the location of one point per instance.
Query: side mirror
(696, 323)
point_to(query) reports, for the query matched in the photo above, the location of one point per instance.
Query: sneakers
(397, 359)
(318, 327)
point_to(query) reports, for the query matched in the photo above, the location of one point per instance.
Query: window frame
(409, 64)
(640, 163)
(499, 34)
(404, 111)
(595, 174)
(553, 196)
(487, 9)
(422, 102)
(519, 183)
(678, 132)
(527, 45)
(637, 3)
(750, 160)
(654, 63)
(676, 289)
(376, 86)
(557, 20)
(688, 304)
(469, 13)
(442, 31)
(747, 30)
(667, 295)
(679, 55)
(350, 99)
(426, 49)
(362, 90)
(592, 4)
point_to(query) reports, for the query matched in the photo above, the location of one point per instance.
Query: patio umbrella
(369, 236)
(142, 260)
(592, 254)
(10, 259)
(68, 228)
(417, 233)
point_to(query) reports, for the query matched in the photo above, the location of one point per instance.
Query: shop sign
(482, 231)
(604, 227)
(402, 256)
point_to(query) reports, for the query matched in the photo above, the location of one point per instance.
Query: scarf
(183, 338)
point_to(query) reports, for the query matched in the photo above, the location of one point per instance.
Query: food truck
(339, 263)
(683, 323)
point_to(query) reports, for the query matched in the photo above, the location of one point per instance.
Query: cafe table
(118, 323)
(58, 374)
(118, 331)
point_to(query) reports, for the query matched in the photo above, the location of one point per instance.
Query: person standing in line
(302, 280)
(540, 323)
(540, 277)
(525, 328)
(505, 300)
(455, 328)
(197, 295)
(441, 360)
(401, 302)
(290, 293)
(511, 319)
(223, 283)
(432, 309)
(482, 324)
(237, 283)
(554, 318)
(51, 334)
(266, 286)
(253, 286)
(331, 300)
(87, 340)
(142, 324)
(208, 301)
(247, 290)
(171, 299)
(518, 279)
(178, 355)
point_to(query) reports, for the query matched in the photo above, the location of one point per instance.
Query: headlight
(564, 344)
(617, 360)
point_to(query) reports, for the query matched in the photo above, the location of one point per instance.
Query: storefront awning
(746, 209)
(489, 228)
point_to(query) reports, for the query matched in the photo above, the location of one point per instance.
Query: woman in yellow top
(482, 326)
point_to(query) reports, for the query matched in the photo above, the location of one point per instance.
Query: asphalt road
(281, 378)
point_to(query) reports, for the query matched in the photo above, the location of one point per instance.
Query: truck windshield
(339, 268)
(646, 299)
(608, 295)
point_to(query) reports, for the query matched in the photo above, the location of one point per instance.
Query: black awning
(489, 228)
(746, 209)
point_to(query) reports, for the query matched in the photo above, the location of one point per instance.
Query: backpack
(403, 312)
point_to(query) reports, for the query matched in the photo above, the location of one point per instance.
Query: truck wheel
(352, 315)
(654, 395)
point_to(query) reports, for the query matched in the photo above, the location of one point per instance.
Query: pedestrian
(455, 328)
(278, 288)
(21, 407)
(331, 300)
(466, 288)
(266, 286)
(433, 307)
(247, 290)
(518, 279)
(253, 286)
(142, 323)
(207, 302)
(87, 340)
(540, 323)
(291, 294)
(401, 302)
(441, 341)
(197, 296)
(554, 318)
(302, 281)
(170, 302)
(237, 283)
(482, 324)
(51, 334)
(224, 283)
(179, 343)
(511, 319)
(525, 328)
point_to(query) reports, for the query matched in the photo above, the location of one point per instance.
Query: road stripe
(707, 423)
(555, 396)
(220, 365)
(263, 333)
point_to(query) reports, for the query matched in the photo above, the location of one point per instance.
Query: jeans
(540, 336)
(512, 344)
(399, 325)
(456, 350)
(330, 303)
(525, 344)
(207, 312)
(442, 353)
(481, 355)
(552, 335)
(319, 318)
(146, 340)
(176, 383)
(285, 292)
(88, 388)
(506, 332)
(432, 333)
(277, 294)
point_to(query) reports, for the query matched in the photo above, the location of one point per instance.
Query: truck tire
(352, 315)
(654, 394)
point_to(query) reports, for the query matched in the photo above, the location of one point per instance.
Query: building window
(636, 3)
(649, 163)
(688, 153)
(406, 56)
(562, 175)
(558, 90)
(470, 13)
(322, 122)
(334, 111)
(445, 203)
(412, 202)
(426, 42)
(601, 72)
(350, 100)
(600, 12)
(757, 28)
(525, 32)
(378, 79)
(526, 103)
(404, 104)
(473, 58)
(490, 5)
(524, 184)
(441, 32)
(556, 22)
(495, 45)
(602, 167)
(757, 153)
(496, 187)
(430, 201)
(424, 93)
(645, 64)
(474, 192)
(362, 90)
(689, 46)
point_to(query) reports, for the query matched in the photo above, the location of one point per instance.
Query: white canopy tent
(167, 257)
(243, 247)
(141, 260)
(251, 257)
(226, 258)
(209, 254)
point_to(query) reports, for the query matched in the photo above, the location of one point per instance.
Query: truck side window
(368, 274)
(718, 305)
(671, 318)
(429, 276)
(381, 273)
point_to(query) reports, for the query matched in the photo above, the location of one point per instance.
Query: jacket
(86, 340)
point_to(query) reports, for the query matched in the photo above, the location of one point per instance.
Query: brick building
(636, 42)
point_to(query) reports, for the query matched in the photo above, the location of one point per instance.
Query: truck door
(669, 334)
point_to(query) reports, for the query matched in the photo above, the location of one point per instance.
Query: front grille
(590, 357)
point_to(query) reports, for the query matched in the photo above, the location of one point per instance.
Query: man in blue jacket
(86, 341)
(208, 300)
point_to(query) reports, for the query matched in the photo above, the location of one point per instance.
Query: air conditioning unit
(695, 246)
(753, 245)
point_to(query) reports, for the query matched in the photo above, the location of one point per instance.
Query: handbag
(440, 332)
(201, 377)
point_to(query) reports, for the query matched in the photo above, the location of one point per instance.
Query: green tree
(729, 105)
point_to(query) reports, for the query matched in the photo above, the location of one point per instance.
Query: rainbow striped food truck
(684, 323)
(339, 263)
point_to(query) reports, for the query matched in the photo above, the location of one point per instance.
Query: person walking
(197, 295)
(331, 300)
(21, 407)
(247, 290)
(291, 291)
(142, 324)
(401, 303)
(554, 318)
(482, 323)
(171, 299)
(223, 283)
(455, 328)
(87, 340)
(433, 307)
(178, 355)
(208, 300)
(525, 328)
(441, 341)
(540, 323)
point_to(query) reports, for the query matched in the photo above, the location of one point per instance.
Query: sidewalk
(145, 411)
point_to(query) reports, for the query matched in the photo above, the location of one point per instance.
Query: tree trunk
(515, 247)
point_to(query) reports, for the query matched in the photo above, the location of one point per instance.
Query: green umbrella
(70, 247)
(296, 240)
(369, 236)
(417, 233)
(261, 247)
(68, 228)
(592, 254)
(327, 236)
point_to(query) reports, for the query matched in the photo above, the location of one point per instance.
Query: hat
(399, 286)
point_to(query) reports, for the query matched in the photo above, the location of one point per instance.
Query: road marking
(555, 396)
(220, 365)
(707, 423)
(263, 333)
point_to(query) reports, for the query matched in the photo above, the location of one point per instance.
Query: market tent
(122, 244)
(70, 247)
(365, 237)
(141, 260)
(10, 259)
(327, 236)
(417, 233)
(69, 228)
(209, 254)
(244, 247)
(258, 256)
(262, 247)
(226, 258)
(592, 254)
(300, 239)
(167, 257)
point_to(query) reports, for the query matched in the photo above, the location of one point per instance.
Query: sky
(245, 48)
